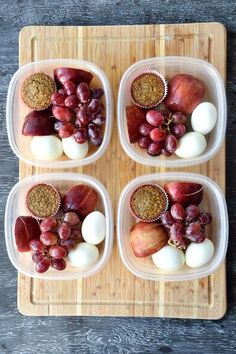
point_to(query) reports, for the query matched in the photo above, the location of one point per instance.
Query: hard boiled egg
(191, 145)
(94, 228)
(47, 147)
(74, 150)
(169, 258)
(199, 254)
(83, 255)
(204, 117)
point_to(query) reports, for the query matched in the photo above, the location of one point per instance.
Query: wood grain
(114, 291)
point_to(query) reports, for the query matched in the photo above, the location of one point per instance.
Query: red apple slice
(185, 193)
(26, 229)
(81, 199)
(39, 123)
(135, 117)
(62, 75)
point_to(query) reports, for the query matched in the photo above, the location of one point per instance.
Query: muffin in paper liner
(148, 202)
(148, 89)
(36, 91)
(43, 200)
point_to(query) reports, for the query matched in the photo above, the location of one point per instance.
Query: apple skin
(39, 123)
(81, 199)
(147, 238)
(26, 229)
(184, 193)
(185, 93)
(135, 116)
(77, 76)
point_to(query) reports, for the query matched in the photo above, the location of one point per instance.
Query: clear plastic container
(15, 207)
(169, 66)
(213, 201)
(16, 111)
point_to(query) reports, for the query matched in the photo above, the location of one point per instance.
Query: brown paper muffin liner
(156, 103)
(159, 213)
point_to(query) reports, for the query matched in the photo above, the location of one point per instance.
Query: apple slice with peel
(135, 117)
(185, 193)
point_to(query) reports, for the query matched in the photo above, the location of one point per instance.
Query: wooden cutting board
(115, 291)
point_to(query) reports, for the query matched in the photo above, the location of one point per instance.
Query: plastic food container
(16, 111)
(213, 201)
(15, 207)
(169, 66)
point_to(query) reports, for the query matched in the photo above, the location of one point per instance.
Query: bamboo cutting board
(115, 291)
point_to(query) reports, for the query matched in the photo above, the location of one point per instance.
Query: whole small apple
(185, 92)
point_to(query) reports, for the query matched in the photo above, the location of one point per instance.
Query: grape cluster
(161, 131)
(57, 237)
(185, 225)
(79, 112)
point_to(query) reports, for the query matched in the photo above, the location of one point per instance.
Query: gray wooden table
(19, 334)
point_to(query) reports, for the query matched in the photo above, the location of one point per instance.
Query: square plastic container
(169, 66)
(16, 111)
(213, 201)
(15, 207)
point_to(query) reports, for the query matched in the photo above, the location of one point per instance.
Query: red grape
(57, 252)
(71, 218)
(83, 92)
(66, 130)
(96, 142)
(177, 211)
(69, 87)
(177, 231)
(154, 149)
(94, 106)
(178, 130)
(154, 118)
(62, 92)
(167, 219)
(68, 244)
(76, 235)
(97, 93)
(64, 231)
(171, 143)
(179, 118)
(43, 265)
(166, 152)
(48, 238)
(58, 264)
(58, 99)
(48, 224)
(194, 228)
(144, 142)
(205, 218)
(192, 213)
(82, 116)
(63, 114)
(197, 238)
(81, 135)
(71, 101)
(158, 134)
(145, 129)
(36, 245)
(37, 256)
(94, 131)
(99, 119)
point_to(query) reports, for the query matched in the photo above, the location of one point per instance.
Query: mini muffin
(37, 90)
(148, 202)
(43, 200)
(148, 89)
